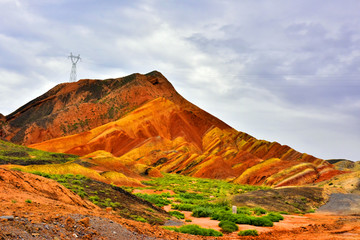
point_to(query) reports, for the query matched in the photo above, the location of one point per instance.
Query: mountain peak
(71, 108)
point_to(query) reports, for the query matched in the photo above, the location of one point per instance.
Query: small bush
(188, 220)
(177, 214)
(196, 230)
(69, 175)
(158, 200)
(248, 233)
(94, 198)
(274, 217)
(78, 182)
(241, 219)
(202, 212)
(259, 211)
(243, 210)
(81, 194)
(228, 226)
(28, 201)
(261, 221)
(138, 218)
(188, 195)
(221, 215)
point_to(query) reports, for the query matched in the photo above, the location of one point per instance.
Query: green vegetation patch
(228, 226)
(208, 198)
(193, 189)
(105, 195)
(177, 214)
(159, 200)
(196, 230)
(11, 153)
(249, 232)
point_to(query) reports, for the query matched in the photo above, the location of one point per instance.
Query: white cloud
(280, 70)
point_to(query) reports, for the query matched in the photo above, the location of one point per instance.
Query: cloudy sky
(286, 71)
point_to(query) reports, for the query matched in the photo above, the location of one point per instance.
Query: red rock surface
(143, 121)
(71, 108)
(168, 136)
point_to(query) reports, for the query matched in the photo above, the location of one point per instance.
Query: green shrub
(76, 182)
(177, 214)
(94, 198)
(191, 196)
(261, 221)
(157, 199)
(228, 216)
(248, 233)
(202, 212)
(115, 204)
(228, 226)
(196, 230)
(28, 201)
(243, 210)
(221, 215)
(81, 194)
(241, 219)
(69, 175)
(138, 218)
(274, 217)
(259, 211)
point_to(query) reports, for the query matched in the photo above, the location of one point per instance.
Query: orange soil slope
(167, 136)
(20, 186)
(72, 108)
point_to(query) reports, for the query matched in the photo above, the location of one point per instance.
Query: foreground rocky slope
(20, 186)
(46, 215)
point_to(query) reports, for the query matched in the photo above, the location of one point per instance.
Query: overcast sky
(280, 70)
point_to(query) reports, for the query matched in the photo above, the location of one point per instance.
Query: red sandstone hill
(163, 132)
(71, 108)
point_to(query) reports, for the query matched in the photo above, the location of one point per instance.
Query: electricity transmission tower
(74, 60)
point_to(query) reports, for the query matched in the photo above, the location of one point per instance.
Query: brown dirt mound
(288, 199)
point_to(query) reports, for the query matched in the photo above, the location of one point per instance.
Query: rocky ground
(33, 207)
(28, 223)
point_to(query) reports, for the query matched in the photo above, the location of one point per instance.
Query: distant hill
(345, 165)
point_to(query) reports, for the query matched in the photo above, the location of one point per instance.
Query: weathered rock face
(144, 123)
(167, 136)
(72, 108)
